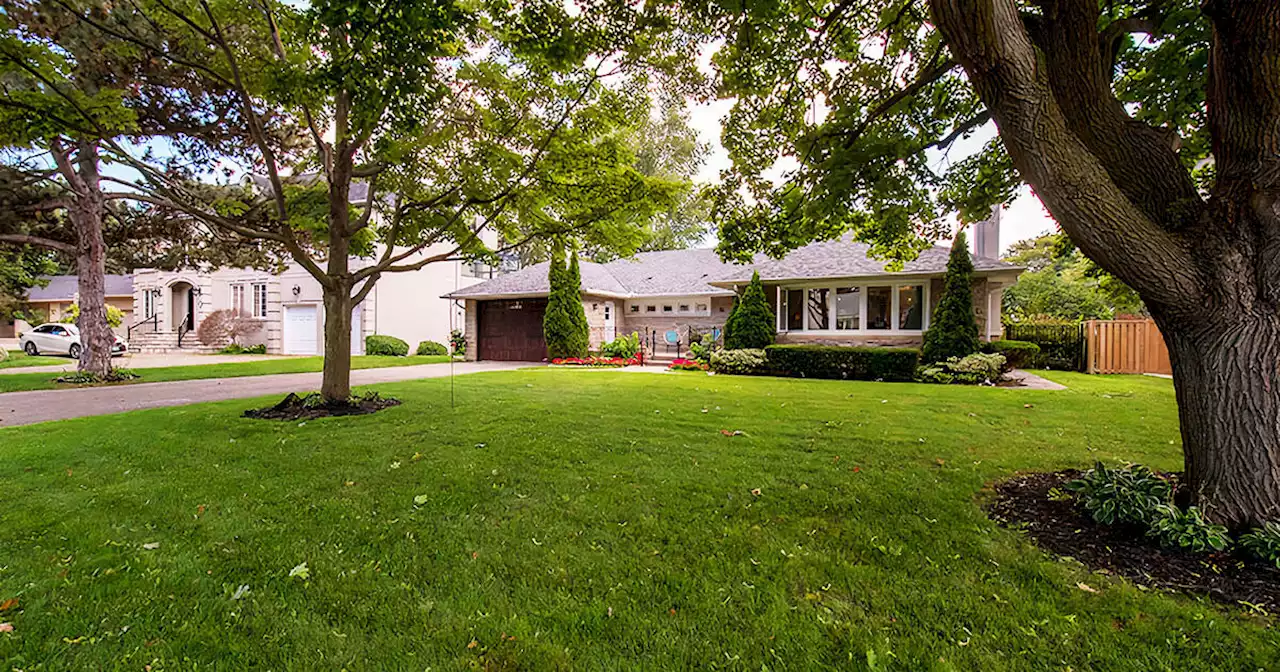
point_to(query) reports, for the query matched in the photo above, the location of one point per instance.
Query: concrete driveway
(25, 408)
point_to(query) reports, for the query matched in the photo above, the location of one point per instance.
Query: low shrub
(4, 354)
(625, 346)
(237, 349)
(1263, 543)
(1018, 354)
(85, 378)
(843, 363)
(1130, 495)
(686, 365)
(975, 369)
(458, 341)
(1187, 529)
(431, 348)
(744, 362)
(378, 344)
(702, 349)
(614, 362)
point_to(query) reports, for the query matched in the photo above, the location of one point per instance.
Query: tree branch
(47, 243)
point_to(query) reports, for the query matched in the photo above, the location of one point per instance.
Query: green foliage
(1130, 495)
(237, 349)
(1019, 354)
(4, 354)
(1263, 543)
(1062, 284)
(625, 346)
(377, 344)
(21, 268)
(1187, 529)
(564, 325)
(750, 324)
(702, 348)
(458, 341)
(115, 317)
(740, 362)
(431, 348)
(92, 378)
(953, 331)
(975, 369)
(843, 363)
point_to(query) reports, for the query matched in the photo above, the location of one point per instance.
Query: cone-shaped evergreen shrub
(559, 328)
(953, 331)
(581, 336)
(751, 323)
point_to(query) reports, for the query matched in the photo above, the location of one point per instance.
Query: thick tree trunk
(1227, 378)
(336, 385)
(96, 337)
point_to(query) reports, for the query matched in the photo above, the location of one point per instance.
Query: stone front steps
(167, 342)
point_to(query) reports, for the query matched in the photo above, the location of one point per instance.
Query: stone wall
(471, 331)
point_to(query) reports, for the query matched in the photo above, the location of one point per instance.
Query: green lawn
(18, 358)
(561, 519)
(15, 382)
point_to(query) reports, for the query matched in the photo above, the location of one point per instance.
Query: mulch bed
(1064, 529)
(312, 406)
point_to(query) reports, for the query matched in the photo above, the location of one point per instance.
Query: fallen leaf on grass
(301, 571)
(6, 627)
(420, 500)
(1028, 405)
(151, 546)
(1086, 587)
(200, 510)
(473, 644)
(9, 604)
(241, 592)
(755, 491)
(735, 432)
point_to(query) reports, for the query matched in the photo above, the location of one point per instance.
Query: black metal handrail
(184, 328)
(155, 325)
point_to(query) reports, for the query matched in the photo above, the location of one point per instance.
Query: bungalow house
(54, 300)
(828, 292)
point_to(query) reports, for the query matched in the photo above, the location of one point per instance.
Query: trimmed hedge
(843, 363)
(1019, 354)
(377, 344)
(741, 362)
(431, 348)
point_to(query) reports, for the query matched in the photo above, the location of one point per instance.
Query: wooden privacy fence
(1125, 346)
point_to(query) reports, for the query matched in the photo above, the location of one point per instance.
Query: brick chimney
(986, 236)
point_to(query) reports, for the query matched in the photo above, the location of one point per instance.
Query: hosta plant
(1263, 543)
(1187, 529)
(1129, 495)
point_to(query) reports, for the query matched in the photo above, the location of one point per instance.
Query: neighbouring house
(55, 299)
(829, 292)
(169, 306)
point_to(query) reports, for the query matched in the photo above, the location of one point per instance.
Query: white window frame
(148, 304)
(894, 286)
(250, 297)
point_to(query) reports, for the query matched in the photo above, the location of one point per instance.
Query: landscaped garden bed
(1041, 505)
(312, 406)
(592, 361)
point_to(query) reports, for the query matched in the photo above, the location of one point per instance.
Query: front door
(609, 327)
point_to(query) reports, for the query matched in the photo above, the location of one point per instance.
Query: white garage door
(300, 330)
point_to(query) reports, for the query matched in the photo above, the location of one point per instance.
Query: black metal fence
(1062, 346)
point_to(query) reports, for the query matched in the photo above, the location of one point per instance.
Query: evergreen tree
(581, 336)
(751, 323)
(557, 322)
(954, 332)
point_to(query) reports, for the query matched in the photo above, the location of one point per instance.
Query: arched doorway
(182, 307)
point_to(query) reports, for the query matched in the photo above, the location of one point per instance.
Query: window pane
(879, 305)
(911, 307)
(818, 308)
(795, 309)
(847, 300)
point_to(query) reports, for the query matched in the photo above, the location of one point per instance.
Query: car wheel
(31, 349)
(74, 351)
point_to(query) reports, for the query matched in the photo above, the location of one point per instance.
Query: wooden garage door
(512, 330)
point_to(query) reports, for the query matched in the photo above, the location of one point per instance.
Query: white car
(61, 339)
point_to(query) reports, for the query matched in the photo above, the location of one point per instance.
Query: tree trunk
(1227, 378)
(336, 385)
(96, 337)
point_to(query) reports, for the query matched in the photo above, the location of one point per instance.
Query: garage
(511, 331)
(300, 330)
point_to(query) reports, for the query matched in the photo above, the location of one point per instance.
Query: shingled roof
(701, 272)
(64, 287)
